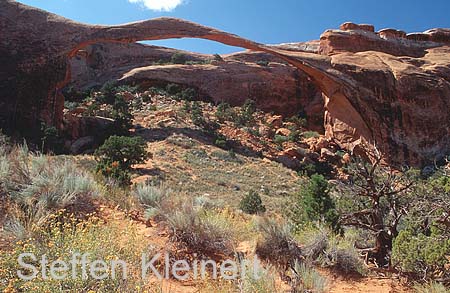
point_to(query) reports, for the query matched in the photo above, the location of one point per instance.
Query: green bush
(217, 57)
(51, 141)
(123, 119)
(252, 203)
(420, 254)
(71, 105)
(310, 134)
(247, 113)
(117, 155)
(188, 94)
(108, 93)
(314, 203)
(261, 281)
(280, 139)
(323, 247)
(263, 63)
(224, 112)
(173, 89)
(178, 58)
(197, 114)
(221, 141)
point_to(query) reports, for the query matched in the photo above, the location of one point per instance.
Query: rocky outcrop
(380, 88)
(276, 87)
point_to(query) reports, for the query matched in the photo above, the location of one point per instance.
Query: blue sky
(265, 21)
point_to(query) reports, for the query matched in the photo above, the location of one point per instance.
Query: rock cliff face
(386, 88)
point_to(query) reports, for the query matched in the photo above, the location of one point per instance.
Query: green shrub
(323, 247)
(188, 94)
(314, 203)
(117, 155)
(108, 93)
(298, 121)
(217, 57)
(150, 195)
(310, 134)
(178, 58)
(173, 89)
(252, 203)
(263, 63)
(247, 113)
(71, 105)
(221, 141)
(123, 119)
(224, 112)
(280, 139)
(343, 259)
(197, 115)
(51, 141)
(420, 254)
(60, 238)
(127, 88)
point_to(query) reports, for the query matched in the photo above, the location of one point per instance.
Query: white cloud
(159, 5)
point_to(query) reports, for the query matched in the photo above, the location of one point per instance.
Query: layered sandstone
(380, 87)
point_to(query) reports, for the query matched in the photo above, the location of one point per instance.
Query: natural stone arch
(368, 90)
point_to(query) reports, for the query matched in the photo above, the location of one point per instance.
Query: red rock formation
(277, 87)
(392, 92)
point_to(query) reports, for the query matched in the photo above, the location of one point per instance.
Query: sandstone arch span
(368, 93)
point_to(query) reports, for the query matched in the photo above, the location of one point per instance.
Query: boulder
(349, 26)
(283, 132)
(275, 121)
(329, 156)
(82, 144)
(390, 33)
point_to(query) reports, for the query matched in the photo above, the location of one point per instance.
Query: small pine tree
(247, 113)
(252, 204)
(314, 203)
(117, 155)
(197, 114)
(224, 112)
(218, 58)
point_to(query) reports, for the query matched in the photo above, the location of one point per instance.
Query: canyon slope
(386, 89)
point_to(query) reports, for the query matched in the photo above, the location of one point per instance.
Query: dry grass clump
(200, 231)
(277, 245)
(151, 197)
(36, 185)
(261, 281)
(307, 279)
(432, 287)
(323, 247)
